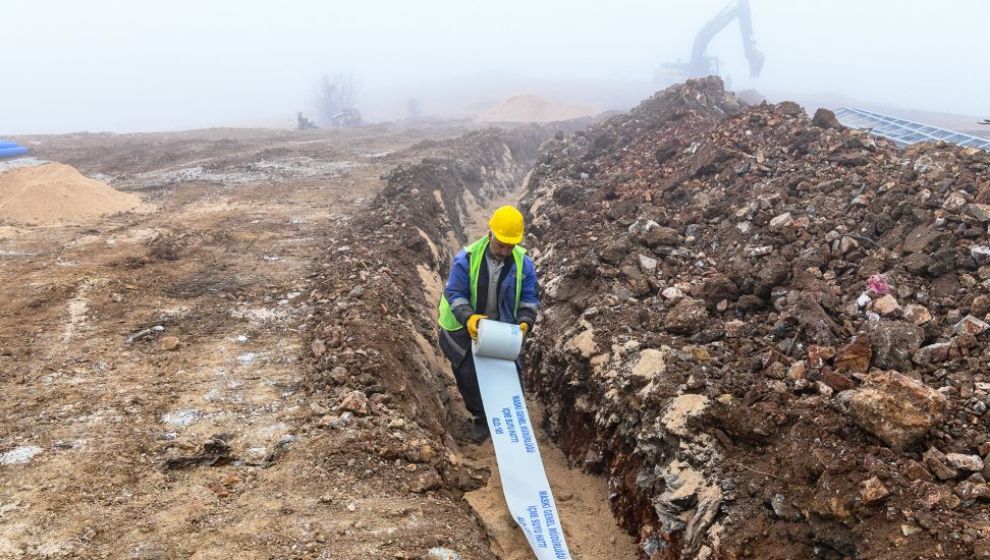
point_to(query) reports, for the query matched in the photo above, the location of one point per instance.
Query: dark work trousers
(456, 347)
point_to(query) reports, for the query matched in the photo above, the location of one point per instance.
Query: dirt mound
(54, 194)
(535, 109)
(770, 335)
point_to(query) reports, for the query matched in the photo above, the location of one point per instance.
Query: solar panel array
(905, 132)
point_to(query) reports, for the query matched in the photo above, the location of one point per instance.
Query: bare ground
(153, 368)
(121, 423)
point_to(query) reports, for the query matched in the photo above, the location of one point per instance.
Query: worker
(493, 279)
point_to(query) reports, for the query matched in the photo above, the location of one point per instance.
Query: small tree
(336, 101)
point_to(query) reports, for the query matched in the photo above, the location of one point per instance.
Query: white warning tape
(524, 482)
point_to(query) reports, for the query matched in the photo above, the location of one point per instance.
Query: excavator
(702, 65)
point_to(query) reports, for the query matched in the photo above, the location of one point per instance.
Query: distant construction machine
(302, 123)
(985, 121)
(701, 64)
(348, 118)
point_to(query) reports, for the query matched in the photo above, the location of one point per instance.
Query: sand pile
(55, 194)
(532, 108)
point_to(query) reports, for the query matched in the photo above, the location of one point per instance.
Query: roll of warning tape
(524, 481)
(498, 340)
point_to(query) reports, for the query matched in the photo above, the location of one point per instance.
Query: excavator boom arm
(739, 9)
(753, 56)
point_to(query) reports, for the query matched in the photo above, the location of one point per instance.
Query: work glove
(524, 327)
(472, 324)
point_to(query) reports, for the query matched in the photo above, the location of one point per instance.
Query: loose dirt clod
(53, 194)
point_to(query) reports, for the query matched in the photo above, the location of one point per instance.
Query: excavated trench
(704, 342)
(426, 212)
(582, 498)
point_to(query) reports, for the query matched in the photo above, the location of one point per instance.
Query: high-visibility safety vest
(476, 253)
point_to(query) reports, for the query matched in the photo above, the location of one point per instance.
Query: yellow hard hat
(507, 225)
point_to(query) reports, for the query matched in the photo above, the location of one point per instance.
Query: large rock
(938, 464)
(688, 316)
(673, 292)
(355, 402)
(855, 357)
(771, 274)
(653, 234)
(972, 463)
(955, 201)
(686, 492)
(782, 221)
(923, 239)
(651, 363)
(969, 490)
(648, 265)
(917, 263)
(980, 306)
(979, 211)
(896, 408)
(716, 289)
(886, 306)
(583, 343)
(980, 253)
(917, 314)
(932, 354)
(894, 342)
(837, 381)
(971, 325)
(872, 491)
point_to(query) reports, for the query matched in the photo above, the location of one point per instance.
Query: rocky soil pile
(768, 331)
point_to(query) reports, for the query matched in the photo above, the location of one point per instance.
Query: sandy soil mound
(54, 194)
(532, 108)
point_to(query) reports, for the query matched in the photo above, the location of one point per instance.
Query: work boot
(479, 430)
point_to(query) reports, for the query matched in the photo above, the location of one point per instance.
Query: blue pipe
(12, 152)
(6, 144)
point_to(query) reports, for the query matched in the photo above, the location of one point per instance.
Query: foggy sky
(105, 65)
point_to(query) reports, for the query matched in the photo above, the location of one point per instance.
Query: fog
(105, 65)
